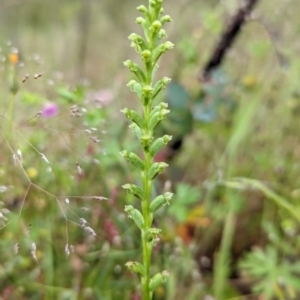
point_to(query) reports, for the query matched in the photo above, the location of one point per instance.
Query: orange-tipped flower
(13, 58)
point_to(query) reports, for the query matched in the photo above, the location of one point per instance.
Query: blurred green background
(232, 231)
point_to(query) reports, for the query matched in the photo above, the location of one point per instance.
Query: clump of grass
(150, 49)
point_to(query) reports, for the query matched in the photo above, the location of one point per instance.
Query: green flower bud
(162, 34)
(146, 140)
(140, 20)
(138, 42)
(147, 90)
(135, 87)
(154, 30)
(133, 116)
(159, 107)
(135, 215)
(155, 3)
(147, 94)
(156, 168)
(136, 267)
(157, 118)
(165, 19)
(147, 59)
(159, 144)
(133, 159)
(152, 3)
(160, 201)
(158, 279)
(155, 27)
(143, 22)
(146, 56)
(162, 48)
(159, 85)
(165, 80)
(151, 235)
(167, 46)
(134, 190)
(142, 9)
(135, 69)
(136, 129)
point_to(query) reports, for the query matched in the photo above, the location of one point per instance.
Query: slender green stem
(223, 257)
(11, 107)
(147, 186)
(9, 128)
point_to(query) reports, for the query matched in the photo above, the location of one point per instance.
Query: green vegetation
(232, 229)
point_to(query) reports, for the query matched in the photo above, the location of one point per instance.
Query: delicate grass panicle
(13, 140)
(150, 47)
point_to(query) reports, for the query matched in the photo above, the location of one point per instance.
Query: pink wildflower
(50, 110)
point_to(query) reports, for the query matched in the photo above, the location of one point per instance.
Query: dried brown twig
(227, 38)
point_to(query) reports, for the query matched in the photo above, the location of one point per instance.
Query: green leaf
(275, 276)
(185, 196)
(177, 96)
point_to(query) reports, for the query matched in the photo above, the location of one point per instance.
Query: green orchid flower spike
(150, 47)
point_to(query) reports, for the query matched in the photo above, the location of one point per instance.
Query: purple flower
(50, 110)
